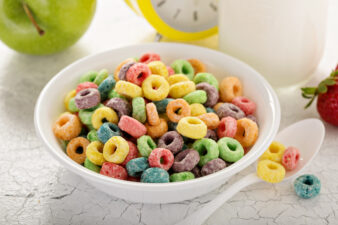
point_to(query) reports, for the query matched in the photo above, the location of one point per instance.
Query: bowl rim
(88, 174)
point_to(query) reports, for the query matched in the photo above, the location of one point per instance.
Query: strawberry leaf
(334, 73)
(306, 96)
(322, 88)
(309, 90)
(310, 102)
(329, 81)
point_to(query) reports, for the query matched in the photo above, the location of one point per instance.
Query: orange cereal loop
(230, 88)
(76, 149)
(247, 132)
(210, 119)
(217, 105)
(152, 114)
(118, 68)
(198, 66)
(178, 109)
(67, 126)
(157, 130)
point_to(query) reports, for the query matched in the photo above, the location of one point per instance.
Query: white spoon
(307, 135)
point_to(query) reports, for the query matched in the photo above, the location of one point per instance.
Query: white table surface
(35, 189)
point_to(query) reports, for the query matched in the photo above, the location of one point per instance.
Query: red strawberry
(327, 103)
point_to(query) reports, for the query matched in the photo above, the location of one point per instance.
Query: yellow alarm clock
(182, 20)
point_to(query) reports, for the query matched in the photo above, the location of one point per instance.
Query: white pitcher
(282, 39)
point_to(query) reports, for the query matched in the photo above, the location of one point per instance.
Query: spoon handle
(208, 209)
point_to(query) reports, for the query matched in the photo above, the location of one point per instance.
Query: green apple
(44, 26)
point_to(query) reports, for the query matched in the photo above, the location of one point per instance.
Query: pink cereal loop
(245, 104)
(227, 127)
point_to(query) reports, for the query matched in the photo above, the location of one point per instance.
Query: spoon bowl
(306, 135)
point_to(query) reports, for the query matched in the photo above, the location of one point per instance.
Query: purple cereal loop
(87, 98)
(172, 141)
(228, 109)
(212, 93)
(121, 106)
(196, 171)
(253, 118)
(186, 160)
(124, 69)
(211, 134)
(213, 166)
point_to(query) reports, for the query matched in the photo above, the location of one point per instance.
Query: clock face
(187, 15)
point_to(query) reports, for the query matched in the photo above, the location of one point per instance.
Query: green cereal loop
(85, 115)
(103, 74)
(137, 59)
(206, 145)
(72, 106)
(198, 96)
(64, 144)
(230, 150)
(91, 166)
(206, 77)
(182, 176)
(92, 136)
(114, 94)
(89, 76)
(139, 109)
(145, 145)
(181, 66)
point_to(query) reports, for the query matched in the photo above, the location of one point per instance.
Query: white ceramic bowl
(50, 104)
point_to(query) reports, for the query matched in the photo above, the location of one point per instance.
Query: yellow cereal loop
(115, 150)
(270, 171)
(128, 89)
(155, 88)
(192, 127)
(158, 68)
(197, 109)
(103, 113)
(94, 153)
(176, 78)
(274, 152)
(68, 97)
(179, 90)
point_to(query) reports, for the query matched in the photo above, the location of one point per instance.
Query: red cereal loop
(115, 171)
(134, 179)
(133, 153)
(132, 126)
(170, 71)
(227, 127)
(149, 57)
(290, 158)
(137, 73)
(161, 154)
(245, 104)
(85, 85)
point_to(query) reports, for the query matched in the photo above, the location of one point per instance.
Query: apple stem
(31, 18)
